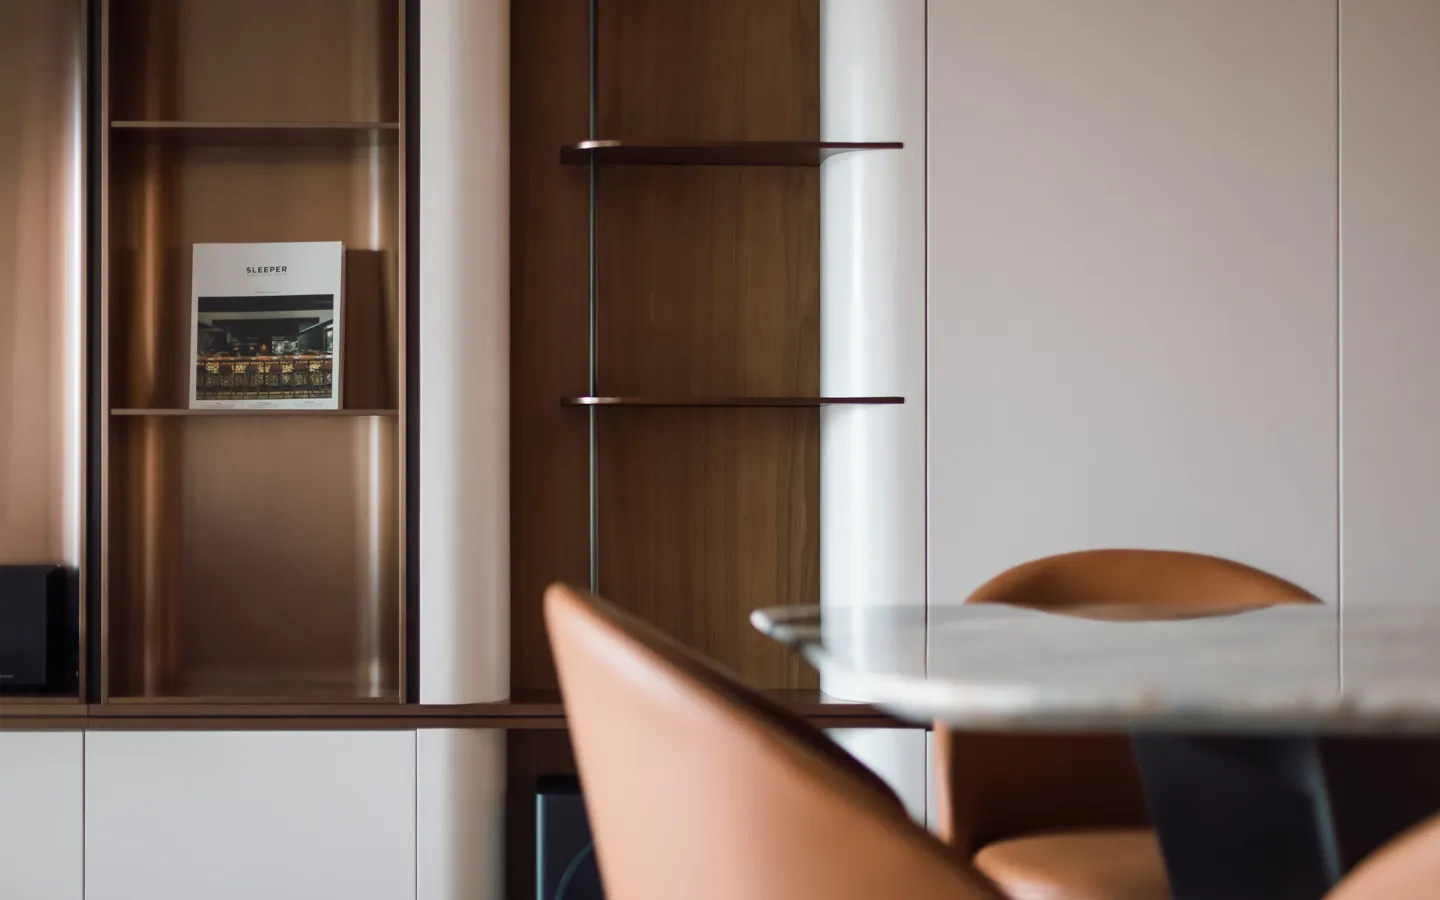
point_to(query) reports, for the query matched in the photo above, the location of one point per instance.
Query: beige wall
(1132, 283)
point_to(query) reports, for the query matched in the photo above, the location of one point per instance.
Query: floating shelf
(729, 402)
(266, 134)
(713, 153)
(257, 413)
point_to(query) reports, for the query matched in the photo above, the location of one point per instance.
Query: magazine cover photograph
(267, 326)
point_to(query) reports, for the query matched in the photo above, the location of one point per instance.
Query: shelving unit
(730, 402)
(250, 555)
(712, 153)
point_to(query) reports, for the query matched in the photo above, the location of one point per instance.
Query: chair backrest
(1406, 868)
(1145, 584)
(996, 786)
(697, 787)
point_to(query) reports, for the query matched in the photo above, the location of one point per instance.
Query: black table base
(1280, 817)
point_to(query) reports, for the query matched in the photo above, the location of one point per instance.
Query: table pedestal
(1280, 817)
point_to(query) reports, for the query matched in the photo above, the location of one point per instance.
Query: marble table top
(992, 667)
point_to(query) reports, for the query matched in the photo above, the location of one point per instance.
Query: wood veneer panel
(709, 286)
(41, 313)
(254, 558)
(267, 60)
(165, 198)
(548, 456)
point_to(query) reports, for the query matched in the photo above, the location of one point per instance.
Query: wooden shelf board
(724, 402)
(254, 413)
(255, 133)
(528, 711)
(713, 153)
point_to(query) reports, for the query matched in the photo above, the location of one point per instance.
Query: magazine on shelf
(267, 325)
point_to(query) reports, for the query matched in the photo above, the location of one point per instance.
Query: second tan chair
(1063, 817)
(698, 787)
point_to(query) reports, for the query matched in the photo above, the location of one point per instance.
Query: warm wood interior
(708, 287)
(252, 555)
(255, 60)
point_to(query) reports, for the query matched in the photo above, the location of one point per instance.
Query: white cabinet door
(1390, 107)
(42, 807)
(246, 815)
(1132, 300)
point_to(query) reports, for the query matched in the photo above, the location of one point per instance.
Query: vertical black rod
(412, 351)
(594, 387)
(95, 131)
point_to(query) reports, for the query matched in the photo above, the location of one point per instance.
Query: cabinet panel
(1391, 176)
(42, 782)
(239, 815)
(1132, 314)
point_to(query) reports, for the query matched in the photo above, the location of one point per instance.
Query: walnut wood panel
(548, 321)
(266, 60)
(712, 153)
(709, 286)
(529, 755)
(41, 313)
(254, 558)
(250, 556)
(165, 198)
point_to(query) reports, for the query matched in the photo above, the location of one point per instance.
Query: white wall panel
(245, 815)
(460, 814)
(464, 540)
(1390, 107)
(42, 808)
(1132, 315)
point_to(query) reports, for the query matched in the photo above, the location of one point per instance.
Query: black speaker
(39, 630)
(565, 866)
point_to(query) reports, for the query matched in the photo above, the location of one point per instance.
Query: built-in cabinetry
(239, 815)
(249, 555)
(42, 815)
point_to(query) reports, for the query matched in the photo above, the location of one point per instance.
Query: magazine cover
(267, 325)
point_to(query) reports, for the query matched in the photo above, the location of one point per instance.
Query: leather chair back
(998, 786)
(697, 787)
(1406, 868)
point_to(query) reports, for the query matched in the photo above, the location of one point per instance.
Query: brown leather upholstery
(1056, 814)
(698, 788)
(1406, 868)
(1078, 865)
(1148, 584)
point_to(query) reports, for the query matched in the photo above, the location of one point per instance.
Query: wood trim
(539, 710)
(713, 153)
(729, 402)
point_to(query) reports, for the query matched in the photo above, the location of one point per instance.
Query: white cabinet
(1132, 298)
(245, 815)
(1390, 107)
(42, 809)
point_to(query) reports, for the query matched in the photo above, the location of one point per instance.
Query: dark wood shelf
(713, 153)
(256, 413)
(255, 133)
(730, 402)
(536, 710)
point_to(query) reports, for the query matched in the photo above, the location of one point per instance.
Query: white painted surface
(899, 756)
(1390, 103)
(1132, 283)
(464, 528)
(872, 469)
(460, 814)
(245, 815)
(42, 825)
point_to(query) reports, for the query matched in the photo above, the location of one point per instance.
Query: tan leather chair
(699, 788)
(1406, 868)
(1063, 817)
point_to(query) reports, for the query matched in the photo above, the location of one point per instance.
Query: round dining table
(1277, 746)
